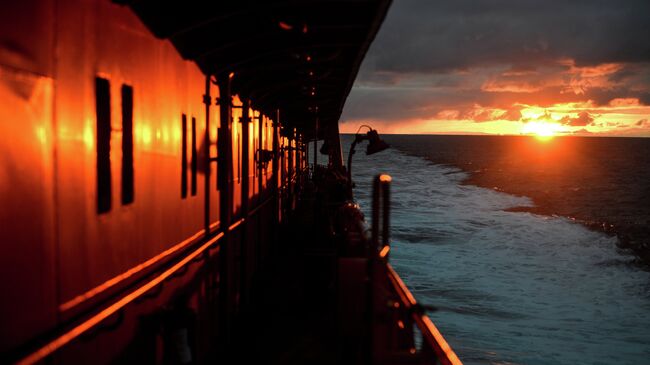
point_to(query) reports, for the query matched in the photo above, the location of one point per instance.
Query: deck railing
(407, 313)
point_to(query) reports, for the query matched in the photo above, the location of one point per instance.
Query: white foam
(512, 287)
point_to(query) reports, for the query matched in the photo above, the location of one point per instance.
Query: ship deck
(291, 315)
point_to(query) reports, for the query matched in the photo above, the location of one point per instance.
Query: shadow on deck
(291, 318)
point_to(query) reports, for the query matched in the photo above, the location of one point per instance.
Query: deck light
(285, 26)
(375, 144)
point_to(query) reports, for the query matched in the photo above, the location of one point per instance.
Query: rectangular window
(103, 110)
(127, 145)
(194, 157)
(183, 156)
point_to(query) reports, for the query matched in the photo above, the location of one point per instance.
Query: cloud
(437, 36)
(642, 123)
(481, 60)
(624, 102)
(583, 132)
(512, 114)
(583, 119)
(500, 85)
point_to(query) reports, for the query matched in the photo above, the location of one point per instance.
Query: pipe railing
(432, 340)
(381, 211)
(112, 307)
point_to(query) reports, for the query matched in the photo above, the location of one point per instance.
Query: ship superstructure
(158, 203)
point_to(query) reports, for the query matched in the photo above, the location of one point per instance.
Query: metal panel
(100, 38)
(26, 36)
(27, 269)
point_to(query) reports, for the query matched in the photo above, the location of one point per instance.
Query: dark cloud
(436, 36)
(438, 60)
(642, 123)
(583, 119)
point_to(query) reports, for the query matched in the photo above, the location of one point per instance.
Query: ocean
(526, 247)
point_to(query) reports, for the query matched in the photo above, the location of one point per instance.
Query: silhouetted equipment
(325, 148)
(375, 144)
(263, 157)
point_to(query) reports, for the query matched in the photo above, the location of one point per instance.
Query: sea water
(510, 287)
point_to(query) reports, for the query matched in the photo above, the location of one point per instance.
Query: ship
(161, 204)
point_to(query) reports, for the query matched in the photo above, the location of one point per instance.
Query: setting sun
(541, 130)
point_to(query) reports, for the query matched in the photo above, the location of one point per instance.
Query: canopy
(300, 57)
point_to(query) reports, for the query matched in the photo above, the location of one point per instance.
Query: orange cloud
(624, 102)
(512, 114)
(513, 86)
(480, 114)
(581, 79)
(448, 114)
(583, 119)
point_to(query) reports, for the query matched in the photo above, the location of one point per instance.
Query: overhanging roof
(297, 56)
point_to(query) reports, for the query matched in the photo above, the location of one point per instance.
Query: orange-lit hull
(63, 256)
(140, 195)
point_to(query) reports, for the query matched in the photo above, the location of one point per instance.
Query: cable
(363, 125)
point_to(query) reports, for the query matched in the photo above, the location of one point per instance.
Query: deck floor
(292, 315)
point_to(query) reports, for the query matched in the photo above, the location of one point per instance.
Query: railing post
(374, 242)
(224, 167)
(207, 100)
(260, 185)
(275, 165)
(384, 182)
(244, 262)
(377, 257)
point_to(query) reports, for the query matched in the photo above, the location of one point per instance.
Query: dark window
(194, 157)
(103, 109)
(127, 145)
(183, 156)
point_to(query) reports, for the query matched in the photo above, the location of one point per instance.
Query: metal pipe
(357, 139)
(431, 336)
(274, 174)
(207, 100)
(374, 241)
(260, 182)
(290, 168)
(385, 181)
(226, 256)
(315, 152)
(245, 193)
(116, 306)
(245, 181)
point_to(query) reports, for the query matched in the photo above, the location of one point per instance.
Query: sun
(541, 130)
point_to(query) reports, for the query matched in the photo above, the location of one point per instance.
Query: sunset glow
(543, 130)
(519, 78)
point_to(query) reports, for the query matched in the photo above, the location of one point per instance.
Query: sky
(507, 67)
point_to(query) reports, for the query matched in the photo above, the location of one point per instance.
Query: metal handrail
(381, 202)
(122, 302)
(118, 304)
(431, 336)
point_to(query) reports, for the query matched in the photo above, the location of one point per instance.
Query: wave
(510, 286)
